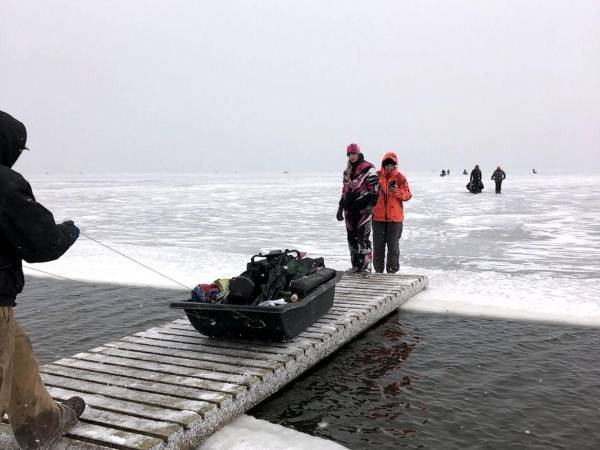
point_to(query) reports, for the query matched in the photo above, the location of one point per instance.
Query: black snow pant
(359, 242)
(386, 234)
(498, 186)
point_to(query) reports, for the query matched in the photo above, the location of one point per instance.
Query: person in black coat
(475, 184)
(498, 176)
(27, 232)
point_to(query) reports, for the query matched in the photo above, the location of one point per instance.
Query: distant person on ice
(27, 232)
(498, 176)
(475, 185)
(359, 196)
(388, 215)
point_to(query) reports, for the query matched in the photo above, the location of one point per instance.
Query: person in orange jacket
(388, 215)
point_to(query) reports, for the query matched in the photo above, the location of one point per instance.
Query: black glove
(71, 231)
(340, 214)
(369, 210)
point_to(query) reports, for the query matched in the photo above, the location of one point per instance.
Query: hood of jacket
(394, 172)
(389, 155)
(13, 138)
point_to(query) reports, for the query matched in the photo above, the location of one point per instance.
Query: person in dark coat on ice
(498, 176)
(359, 195)
(475, 184)
(27, 232)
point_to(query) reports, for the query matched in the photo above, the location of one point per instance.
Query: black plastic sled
(266, 323)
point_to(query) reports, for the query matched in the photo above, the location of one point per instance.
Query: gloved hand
(340, 214)
(368, 210)
(71, 231)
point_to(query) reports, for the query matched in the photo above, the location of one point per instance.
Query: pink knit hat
(352, 148)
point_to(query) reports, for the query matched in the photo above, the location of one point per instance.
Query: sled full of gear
(279, 295)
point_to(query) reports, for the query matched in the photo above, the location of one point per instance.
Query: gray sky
(172, 86)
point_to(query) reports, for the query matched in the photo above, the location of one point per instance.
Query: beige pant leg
(34, 416)
(7, 350)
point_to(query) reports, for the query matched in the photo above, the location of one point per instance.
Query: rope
(54, 275)
(249, 320)
(137, 262)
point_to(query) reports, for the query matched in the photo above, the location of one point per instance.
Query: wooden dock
(169, 387)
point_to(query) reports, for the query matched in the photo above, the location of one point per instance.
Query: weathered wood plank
(120, 439)
(133, 383)
(206, 346)
(164, 367)
(249, 362)
(360, 295)
(116, 405)
(353, 301)
(165, 402)
(187, 326)
(211, 387)
(185, 358)
(239, 345)
(354, 306)
(7, 442)
(359, 313)
(126, 422)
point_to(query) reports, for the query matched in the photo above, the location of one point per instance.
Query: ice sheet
(248, 433)
(532, 252)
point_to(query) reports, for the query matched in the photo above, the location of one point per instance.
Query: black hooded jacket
(27, 229)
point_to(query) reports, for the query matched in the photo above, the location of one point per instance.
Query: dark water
(444, 382)
(63, 317)
(413, 381)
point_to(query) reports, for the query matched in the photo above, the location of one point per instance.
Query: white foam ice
(248, 433)
(510, 296)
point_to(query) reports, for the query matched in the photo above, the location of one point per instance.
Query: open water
(500, 352)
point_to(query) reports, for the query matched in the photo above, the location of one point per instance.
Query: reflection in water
(437, 381)
(360, 392)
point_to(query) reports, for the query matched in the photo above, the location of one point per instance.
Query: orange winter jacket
(389, 205)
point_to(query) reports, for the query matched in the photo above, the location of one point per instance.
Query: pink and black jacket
(361, 187)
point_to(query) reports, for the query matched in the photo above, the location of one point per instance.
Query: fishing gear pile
(275, 278)
(279, 295)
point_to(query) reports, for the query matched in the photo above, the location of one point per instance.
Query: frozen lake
(532, 252)
(513, 277)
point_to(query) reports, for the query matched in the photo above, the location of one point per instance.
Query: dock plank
(214, 388)
(170, 387)
(140, 410)
(124, 440)
(133, 383)
(165, 402)
(206, 355)
(207, 346)
(296, 344)
(165, 368)
(186, 358)
(196, 337)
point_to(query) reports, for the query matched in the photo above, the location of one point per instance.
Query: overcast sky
(193, 86)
